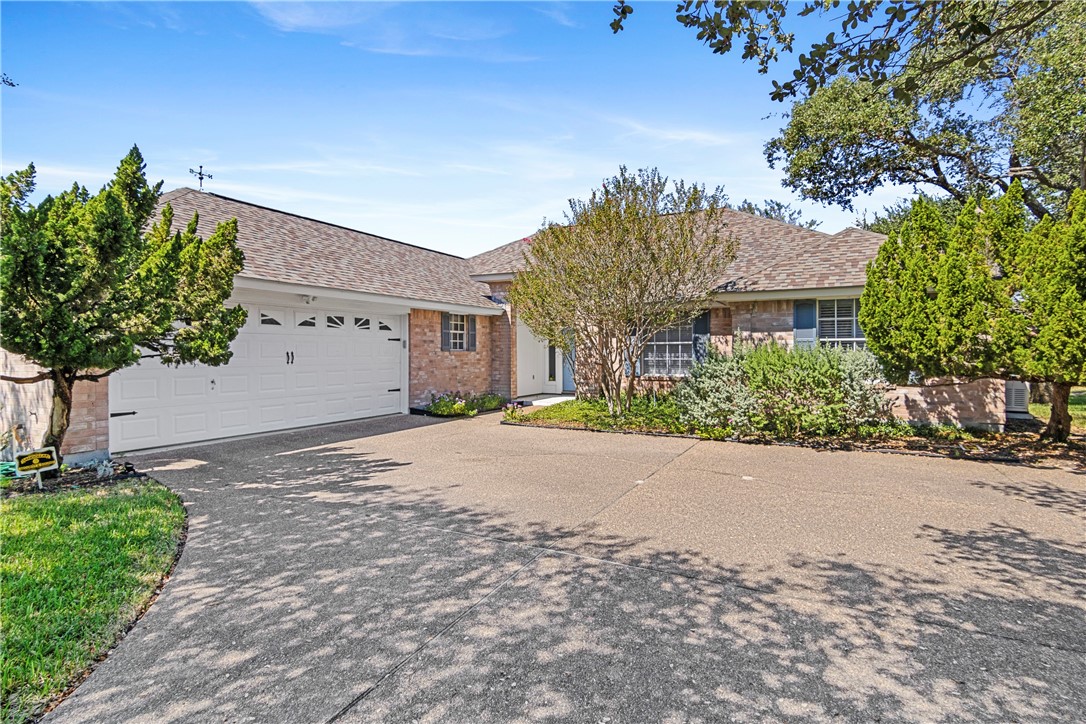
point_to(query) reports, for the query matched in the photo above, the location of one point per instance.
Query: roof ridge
(316, 221)
(770, 220)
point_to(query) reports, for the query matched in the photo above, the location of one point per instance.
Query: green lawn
(1077, 406)
(75, 569)
(646, 415)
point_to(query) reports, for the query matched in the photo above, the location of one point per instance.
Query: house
(341, 325)
(344, 325)
(787, 283)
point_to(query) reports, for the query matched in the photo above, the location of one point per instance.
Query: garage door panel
(235, 421)
(233, 384)
(189, 423)
(137, 390)
(136, 431)
(307, 382)
(272, 382)
(187, 384)
(335, 373)
(270, 414)
(272, 350)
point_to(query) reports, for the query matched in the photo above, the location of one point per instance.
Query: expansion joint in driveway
(540, 552)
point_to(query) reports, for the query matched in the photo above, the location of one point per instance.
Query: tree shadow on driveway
(320, 585)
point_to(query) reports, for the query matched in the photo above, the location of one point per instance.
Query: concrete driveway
(405, 569)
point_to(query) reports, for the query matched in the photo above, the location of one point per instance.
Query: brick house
(345, 325)
(789, 284)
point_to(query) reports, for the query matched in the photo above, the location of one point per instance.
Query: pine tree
(984, 297)
(83, 287)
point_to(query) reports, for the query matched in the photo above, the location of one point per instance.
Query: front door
(568, 362)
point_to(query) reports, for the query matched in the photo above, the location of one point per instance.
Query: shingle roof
(772, 256)
(506, 259)
(811, 261)
(283, 247)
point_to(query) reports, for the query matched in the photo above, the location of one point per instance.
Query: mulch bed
(1019, 445)
(73, 479)
(1008, 447)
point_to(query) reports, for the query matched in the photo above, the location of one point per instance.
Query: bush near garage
(780, 392)
(454, 404)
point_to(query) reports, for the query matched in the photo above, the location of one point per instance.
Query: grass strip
(76, 569)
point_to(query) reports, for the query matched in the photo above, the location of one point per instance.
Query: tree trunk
(61, 415)
(1040, 392)
(1059, 422)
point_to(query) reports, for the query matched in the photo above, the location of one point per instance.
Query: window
(361, 322)
(838, 325)
(272, 318)
(670, 353)
(334, 321)
(551, 365)
(383, 326)
(458, 332)
(301, 319)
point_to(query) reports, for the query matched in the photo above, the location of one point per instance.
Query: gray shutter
(805, 323)
(445, 335)
(701, 337)
(471, 333)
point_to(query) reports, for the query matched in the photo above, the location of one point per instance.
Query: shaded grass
(662, 415)
(1076, 405)
(646, 415)
(76, 569)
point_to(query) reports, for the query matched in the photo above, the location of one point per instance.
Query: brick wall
(30, 405)
(88, 433)
(980, 403)
(764, 320)
(503, 344)
(433, 371)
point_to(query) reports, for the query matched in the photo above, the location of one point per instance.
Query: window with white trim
(670, 353)
(271, 317)
(458, 332)
(838, 323)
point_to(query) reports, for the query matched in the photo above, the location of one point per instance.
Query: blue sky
(458, 126)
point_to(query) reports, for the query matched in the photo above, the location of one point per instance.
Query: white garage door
(291, 367)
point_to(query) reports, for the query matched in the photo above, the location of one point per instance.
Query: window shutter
(471, 333)
(805, 323)
(701, 336)
(446, 343)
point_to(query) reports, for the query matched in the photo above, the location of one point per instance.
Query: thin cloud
(371, 28)
(557, 13)
(674, 135)
(294, 17)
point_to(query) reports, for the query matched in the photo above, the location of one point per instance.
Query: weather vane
(201, 175)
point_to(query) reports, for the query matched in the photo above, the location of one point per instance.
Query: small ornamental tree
(88, 284)
(983, 297)
(631, 261)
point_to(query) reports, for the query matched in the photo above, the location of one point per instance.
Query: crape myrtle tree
(89, 283)
(638, 256)
(985, 296)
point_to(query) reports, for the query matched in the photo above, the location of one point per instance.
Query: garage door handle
(393, 339)
(395, 390)
(122, 414)
(290, 358)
